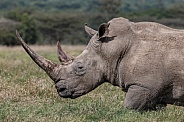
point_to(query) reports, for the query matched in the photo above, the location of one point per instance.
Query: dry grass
(27, 94)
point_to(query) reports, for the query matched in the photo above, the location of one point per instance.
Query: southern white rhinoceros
(145, 59)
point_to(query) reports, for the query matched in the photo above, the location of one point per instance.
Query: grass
(28, 94)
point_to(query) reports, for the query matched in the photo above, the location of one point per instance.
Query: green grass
(28, 94)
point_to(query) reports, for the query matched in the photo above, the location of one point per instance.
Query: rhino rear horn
(62, 56)
(48, 66)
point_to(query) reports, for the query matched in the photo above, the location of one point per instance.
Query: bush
(7, 32)
(8, 39)
(27, 27)
(68, 28)
(29, 30)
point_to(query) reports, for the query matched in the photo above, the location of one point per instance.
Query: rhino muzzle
(62, 90)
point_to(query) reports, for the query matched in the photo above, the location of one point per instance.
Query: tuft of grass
(28, 94)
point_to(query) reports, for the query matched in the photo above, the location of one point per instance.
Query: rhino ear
(90, 31)
(103, 30)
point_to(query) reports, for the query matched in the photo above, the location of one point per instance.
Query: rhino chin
(72, 96)
(68, 94)
(65, 94)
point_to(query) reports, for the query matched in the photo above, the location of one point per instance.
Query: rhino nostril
(61, 89)
(80, 67)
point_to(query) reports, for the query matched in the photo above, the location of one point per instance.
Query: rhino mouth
(66, 93)
(63, 92)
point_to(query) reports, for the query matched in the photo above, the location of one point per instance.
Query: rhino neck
(114, 67)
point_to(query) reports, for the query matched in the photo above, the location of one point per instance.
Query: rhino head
(97, 64)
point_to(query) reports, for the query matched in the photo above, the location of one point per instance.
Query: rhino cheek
(79, 87)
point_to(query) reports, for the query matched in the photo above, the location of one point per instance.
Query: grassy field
(28, 94)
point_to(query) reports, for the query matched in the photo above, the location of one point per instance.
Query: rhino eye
(79, 69)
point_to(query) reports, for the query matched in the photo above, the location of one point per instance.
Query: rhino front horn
(48, 66)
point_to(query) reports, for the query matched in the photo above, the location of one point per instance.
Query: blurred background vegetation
(47, 21)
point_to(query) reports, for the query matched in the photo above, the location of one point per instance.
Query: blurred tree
(110, 8)
(27, 27)
(161, 3)
(52, 20)
(8, 39)
(7, 32)
(177, 10)
(66, 27)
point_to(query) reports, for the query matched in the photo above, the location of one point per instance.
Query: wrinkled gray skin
(145, 59)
